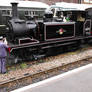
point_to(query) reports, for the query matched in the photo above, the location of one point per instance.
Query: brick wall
(50, 2)
(53, 1)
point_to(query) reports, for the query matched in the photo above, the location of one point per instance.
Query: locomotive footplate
(44, 44)
(27, 40)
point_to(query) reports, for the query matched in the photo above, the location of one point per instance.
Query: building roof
(33, 4)
(71, 6)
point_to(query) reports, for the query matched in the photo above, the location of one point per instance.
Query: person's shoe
(4, 73)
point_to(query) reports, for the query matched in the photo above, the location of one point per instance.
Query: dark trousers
(2, 65)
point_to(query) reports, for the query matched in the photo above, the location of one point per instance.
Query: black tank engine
(31, 39)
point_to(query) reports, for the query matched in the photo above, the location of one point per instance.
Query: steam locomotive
(33, 38)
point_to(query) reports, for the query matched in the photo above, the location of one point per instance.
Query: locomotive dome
(21, 3)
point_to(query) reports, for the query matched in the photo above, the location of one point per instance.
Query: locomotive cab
(83, 23)
(79, 18)
(89, 17)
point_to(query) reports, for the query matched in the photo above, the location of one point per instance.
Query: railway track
(27, 78)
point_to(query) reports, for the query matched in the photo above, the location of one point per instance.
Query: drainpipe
(79, 1)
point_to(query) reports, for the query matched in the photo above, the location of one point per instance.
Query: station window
(26, 12)
(3, 12)
(32, 12)
(6, 12)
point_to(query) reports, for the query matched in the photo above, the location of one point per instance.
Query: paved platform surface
(77, 80)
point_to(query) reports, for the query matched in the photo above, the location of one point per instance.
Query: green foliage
(41, 61)
(23, 65)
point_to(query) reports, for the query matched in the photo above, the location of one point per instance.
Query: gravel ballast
(51, 62)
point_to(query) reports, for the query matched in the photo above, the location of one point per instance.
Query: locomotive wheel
(82, 43)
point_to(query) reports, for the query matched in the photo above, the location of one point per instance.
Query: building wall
(70, 1)
(53, 1)
(50, 2)
(87, 1)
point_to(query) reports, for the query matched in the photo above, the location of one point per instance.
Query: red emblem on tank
(60, 31)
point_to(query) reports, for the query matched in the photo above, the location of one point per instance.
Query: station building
(50, 2)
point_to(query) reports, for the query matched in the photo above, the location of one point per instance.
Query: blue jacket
(3, 51)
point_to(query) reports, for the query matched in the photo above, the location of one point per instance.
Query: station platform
(77, 80)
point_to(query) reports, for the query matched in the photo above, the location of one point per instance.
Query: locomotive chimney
(14, 10)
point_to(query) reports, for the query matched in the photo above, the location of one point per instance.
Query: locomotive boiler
(20, 30)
